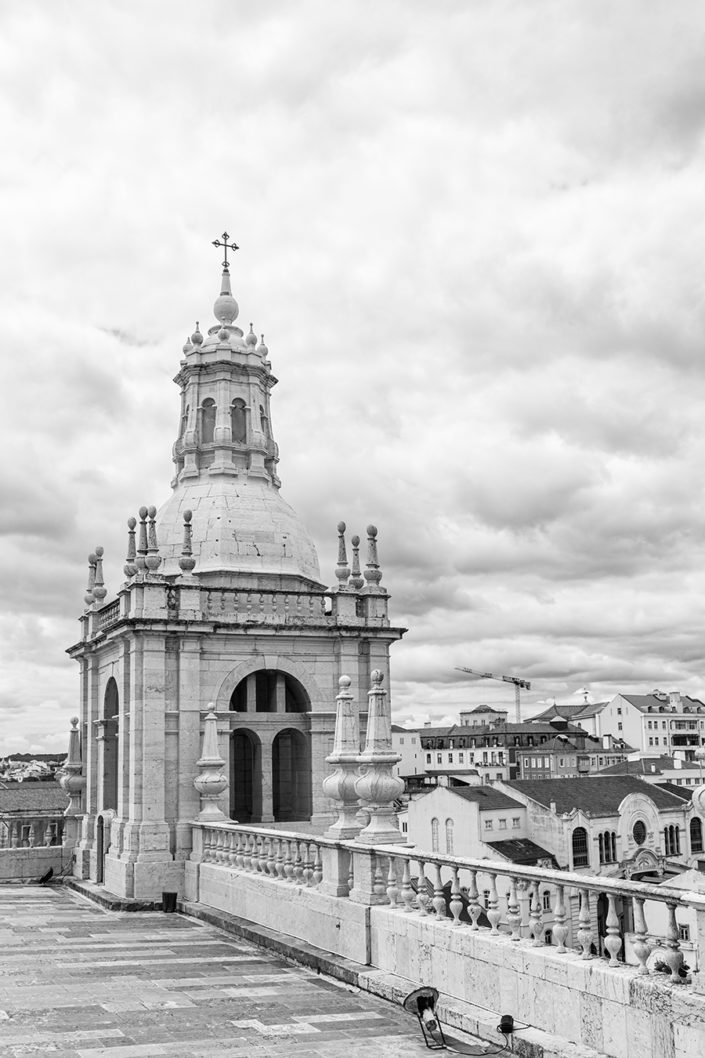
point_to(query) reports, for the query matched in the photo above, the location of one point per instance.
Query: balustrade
(267, 607)
(446, 888)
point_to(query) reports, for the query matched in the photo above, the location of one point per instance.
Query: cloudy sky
(473, 234)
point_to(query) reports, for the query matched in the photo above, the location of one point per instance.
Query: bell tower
(222, 615)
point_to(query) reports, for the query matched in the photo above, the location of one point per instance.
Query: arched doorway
(245, 776)
(111, 706)
(291, 776)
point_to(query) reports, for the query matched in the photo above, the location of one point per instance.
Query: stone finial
(153, 559)
(251, 337)
(187, 561)
(340, 784)
(197, 337)
(211, 781)
(356, 580)
(342, 570)
(69, 775)
(373, 574)
(130, 567)
(99, 589)
(89, 597)
(187, 347)
(377, 787)
(140, 559)
(262, 348)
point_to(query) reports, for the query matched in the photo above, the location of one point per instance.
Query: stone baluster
(308, 865)
(212, 780)
(474, 906)
(613, 940)
(279, 863)
(298, 864)
(232, 849)
(392, 883)
(377, 786)
(379, 888)
(560, 930)
(585, 924)
(288, 862)
(513, 912)
(439, 900)
(340, 784)
(317, 865)
(493, 912)
(641, 947)
(407, 891)
(271, 858)
(351, 872)
(673, 956)
(535, 915)
(456, 901)
(422, 897)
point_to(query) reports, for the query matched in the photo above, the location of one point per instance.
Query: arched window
(238, 424)
(207, 420)
(614, 847)
(696, 835)
(434, 835)
(580, 848)
(449, 836)
(547, 901)
(666, 841)
(677, 840)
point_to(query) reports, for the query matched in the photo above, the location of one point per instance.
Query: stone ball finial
(92, 558)
(372, 531)
(151, 511)
(341, 527)
(377, 677)
(262, 348)
(197, 337)
(131, 522)
(226, 309)
(344, 683)
(355, 541)
(74, 721)
(142, 512)
(251, 337)
(188, 515)
(99, 552)
(187, 347)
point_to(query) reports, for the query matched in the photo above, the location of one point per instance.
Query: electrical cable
(505, 1048)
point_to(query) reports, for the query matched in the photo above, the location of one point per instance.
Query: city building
(407, 744)
(656, 723)
(674, 770)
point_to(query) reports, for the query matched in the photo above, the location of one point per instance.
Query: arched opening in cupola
(207, 421)
(245, 776)
(238, 423)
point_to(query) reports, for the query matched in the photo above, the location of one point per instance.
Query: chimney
(554, 807)
(677, 760)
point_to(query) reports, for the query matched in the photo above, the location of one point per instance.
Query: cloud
(472, 235)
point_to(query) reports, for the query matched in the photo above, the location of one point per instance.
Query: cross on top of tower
(226, 246)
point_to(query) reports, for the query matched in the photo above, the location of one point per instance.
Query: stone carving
(212, 780)
(377, 786)
(340, 784)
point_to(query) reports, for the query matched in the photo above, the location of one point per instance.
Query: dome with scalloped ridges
(239, 527)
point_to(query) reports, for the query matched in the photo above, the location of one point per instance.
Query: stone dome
(239, 526)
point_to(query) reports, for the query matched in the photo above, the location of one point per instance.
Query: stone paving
(79, 981)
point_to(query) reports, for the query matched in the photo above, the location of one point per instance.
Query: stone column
(266, 806)
(252, 693)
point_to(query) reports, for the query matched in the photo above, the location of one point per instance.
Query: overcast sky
(473, 234)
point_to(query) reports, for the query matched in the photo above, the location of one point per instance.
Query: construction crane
(518, 685)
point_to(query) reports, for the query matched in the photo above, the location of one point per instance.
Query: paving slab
(80, 981)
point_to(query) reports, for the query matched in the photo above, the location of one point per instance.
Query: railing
(287, 857)
(268, 607)
(108, 615)
(479, 895)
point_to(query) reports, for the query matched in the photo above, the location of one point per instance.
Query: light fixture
(422, 1002)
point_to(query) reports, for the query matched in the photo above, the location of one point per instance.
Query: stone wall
(27, 865)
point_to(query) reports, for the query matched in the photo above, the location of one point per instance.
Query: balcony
(612, 979)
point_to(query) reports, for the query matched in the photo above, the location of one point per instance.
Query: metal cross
(227, 246)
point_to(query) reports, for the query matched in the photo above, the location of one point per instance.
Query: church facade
(222, 610)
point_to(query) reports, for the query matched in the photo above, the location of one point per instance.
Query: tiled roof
(646, 701)
(526, 727)
(679, 791)
(646, 766)
(486, 797)
(32, 797)
(566, 712)
(521, 850)
(600, 795)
